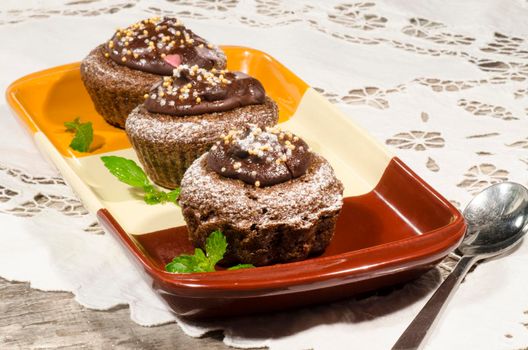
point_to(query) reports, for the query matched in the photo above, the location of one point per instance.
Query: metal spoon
(497, 219)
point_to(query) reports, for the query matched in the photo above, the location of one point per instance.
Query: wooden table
(32, 319)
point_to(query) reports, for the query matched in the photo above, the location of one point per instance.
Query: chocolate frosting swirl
(158, 45)
(260, 158)
(194, 90)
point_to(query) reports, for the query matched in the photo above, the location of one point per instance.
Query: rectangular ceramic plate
(393, 225)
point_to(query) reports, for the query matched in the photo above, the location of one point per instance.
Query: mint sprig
(215, 248)
(241, 266)
(127, 171)
(83, 137)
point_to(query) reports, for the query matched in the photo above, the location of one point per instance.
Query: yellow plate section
(46, 99)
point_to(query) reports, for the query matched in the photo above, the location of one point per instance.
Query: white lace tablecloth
(443, 83)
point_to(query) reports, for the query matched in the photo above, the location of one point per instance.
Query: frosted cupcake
(186, 114)
(120, 72)
(271, 196)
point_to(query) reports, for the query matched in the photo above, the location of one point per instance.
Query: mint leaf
(83, 138)
(203, 264)
(154, 196)
(72, 126)
(172, 196)
(181, 264)
(185, 264)
(241, 266)
(190, 263)
(126, 170)
(215, 247)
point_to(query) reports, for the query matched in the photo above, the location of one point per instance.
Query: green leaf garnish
(83, 137)
(215, 248)
(127, 171)
(154, 196)
(189, 263)
(241, 266)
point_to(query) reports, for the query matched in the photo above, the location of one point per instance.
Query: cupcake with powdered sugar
(184, 115)
(271, 196)
(120, 72)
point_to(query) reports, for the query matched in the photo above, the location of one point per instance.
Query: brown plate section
(389, 235)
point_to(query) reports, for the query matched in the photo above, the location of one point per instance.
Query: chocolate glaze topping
(260, 158)
(194, 90)
(158, 45)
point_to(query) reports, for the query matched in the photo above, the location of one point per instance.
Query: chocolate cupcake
(274, 199)
(120, 72)
(184, 115)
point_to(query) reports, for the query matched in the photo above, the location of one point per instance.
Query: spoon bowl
(496, 220)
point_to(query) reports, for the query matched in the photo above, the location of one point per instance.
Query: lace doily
(444, 85)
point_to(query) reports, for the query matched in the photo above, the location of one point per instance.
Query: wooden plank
(32, 319)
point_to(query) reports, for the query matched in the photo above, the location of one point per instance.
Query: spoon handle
(419, 327)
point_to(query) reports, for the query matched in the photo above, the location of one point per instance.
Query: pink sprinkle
(173, 60)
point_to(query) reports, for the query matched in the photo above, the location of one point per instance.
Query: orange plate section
(45, 100)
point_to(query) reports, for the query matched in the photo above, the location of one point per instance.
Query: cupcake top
(193, 90)
(260, 157)
(158, 45)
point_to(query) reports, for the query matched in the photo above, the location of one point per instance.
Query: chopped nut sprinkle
(160, 34)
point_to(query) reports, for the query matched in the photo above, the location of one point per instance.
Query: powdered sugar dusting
(200, 129)
(300, 202)
(110, 73)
